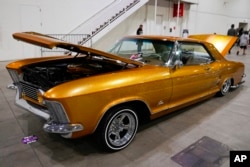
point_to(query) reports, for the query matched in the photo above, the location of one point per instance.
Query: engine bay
(48, 74)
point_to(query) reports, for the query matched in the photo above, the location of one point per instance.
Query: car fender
(118, 102)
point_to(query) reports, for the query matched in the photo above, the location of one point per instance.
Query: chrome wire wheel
(118, 128)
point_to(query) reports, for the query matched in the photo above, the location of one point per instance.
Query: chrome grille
(29, 90)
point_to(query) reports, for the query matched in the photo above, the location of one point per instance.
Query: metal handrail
(92, 17)
(71, 38)
(103, 18)
(94, 25)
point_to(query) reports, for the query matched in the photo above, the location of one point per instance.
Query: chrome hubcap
(122, 129)
(226, 86)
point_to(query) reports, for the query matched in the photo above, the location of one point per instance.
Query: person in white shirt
(244, 41)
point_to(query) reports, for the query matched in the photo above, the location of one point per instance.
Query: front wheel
(225, 88)
(117, 129)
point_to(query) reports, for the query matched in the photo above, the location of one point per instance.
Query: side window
(154, 52)
(194, 54)
(127, 48)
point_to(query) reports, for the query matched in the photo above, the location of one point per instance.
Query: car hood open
(50, 43)
(222, 43)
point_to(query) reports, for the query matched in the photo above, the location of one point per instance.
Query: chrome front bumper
(52, 127)
(64, 129)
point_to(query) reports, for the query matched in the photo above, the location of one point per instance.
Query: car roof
(221, 42)
(159, 37)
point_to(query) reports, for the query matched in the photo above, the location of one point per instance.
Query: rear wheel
(225, 88)
(117, 129)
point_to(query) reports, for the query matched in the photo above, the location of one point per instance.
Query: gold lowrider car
(109, 93)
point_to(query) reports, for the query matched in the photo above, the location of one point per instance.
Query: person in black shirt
(231, 32)
(139, 30)
(240, 32)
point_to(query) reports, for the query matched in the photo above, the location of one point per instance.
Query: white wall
(210, 16)
(54, 16)
(45, 16)
(127, 27)
(146, 17)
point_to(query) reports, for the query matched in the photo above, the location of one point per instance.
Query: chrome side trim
(23, 104)
(53, 127)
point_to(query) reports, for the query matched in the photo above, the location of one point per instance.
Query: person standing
(240, 32)
(243, 42)
(231, 32)
(140, 30)
(139, 43)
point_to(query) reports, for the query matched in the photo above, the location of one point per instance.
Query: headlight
(57, 111)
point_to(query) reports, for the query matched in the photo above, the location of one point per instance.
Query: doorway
(159, 24)
(243, 25)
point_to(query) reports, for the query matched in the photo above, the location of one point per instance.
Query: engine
(46, 77)
(48, 74)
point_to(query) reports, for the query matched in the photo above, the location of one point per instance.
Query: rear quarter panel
(229, 69)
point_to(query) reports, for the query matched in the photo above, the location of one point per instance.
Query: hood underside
(49, 42)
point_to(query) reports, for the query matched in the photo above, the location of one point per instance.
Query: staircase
(106, 19)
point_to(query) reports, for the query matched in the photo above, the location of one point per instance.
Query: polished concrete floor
(225, 119)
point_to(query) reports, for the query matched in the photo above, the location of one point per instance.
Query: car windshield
(156, 52)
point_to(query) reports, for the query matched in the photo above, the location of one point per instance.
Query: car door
(194, 76)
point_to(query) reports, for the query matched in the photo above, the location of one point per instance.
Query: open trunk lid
(223, 43)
